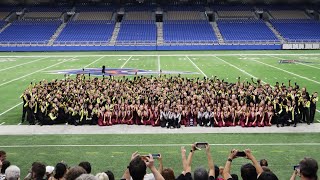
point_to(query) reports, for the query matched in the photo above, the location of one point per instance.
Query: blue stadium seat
(140, 31)
(245, 30)
(298, 30)
(188, 32)
(29, 31)
(87, 30)
(2, 23)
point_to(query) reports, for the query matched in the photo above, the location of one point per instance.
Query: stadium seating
(3, 15)
(188, 32)
(84, 31)
(2, 23)
(185, 15)
(245, 30)
(139, 15)
(96, 16)
(298, 30)
(29, 31)
(288, 14)
(42, 12)
(235, 14)
(137, 32)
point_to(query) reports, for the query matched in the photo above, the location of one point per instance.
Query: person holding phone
(306, 170)
(248, 171)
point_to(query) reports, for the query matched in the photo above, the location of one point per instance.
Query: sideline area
(135, 129)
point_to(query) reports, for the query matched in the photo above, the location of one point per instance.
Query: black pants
(24, 111)
(280, 119)
(163, 122)
(297, 118)
(94, 120)
(200, 121)
(306, 115)
(176, 123)
(170, 123)
(30, 116)
(312, 113)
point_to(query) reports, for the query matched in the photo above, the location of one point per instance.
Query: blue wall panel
(141, 48)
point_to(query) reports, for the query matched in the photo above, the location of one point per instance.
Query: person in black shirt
(246, 172)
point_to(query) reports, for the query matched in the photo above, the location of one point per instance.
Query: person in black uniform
(313, 106)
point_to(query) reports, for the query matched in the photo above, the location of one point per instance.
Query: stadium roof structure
(122, 2)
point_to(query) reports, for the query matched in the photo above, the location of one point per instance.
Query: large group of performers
(169, 102)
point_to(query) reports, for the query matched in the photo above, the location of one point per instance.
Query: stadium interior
(158, 25)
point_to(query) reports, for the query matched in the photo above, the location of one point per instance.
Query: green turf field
(113, 152)
(17, 70)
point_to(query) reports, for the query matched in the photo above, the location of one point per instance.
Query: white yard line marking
(112, 55)
(10, 109)
(125, 62)
(297, 62)
(94, 62)
(243, 71)
(19, 124)
(154, 145)
(32, 73)
(159, 66)
(302, 77)
(23, 64)
(196, 67)
(2, 123)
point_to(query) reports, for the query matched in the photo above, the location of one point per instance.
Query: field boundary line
(11, 108)
(125, 62)
(208, 55)
(34, 72)
(296, 62)
(297, 75)
(23, 64)
(196, 67)
(153, 145)
(94, 61)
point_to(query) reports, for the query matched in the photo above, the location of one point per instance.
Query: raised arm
(254, 161)
(150, 165)
(160, 169)
(126, 174)
(210, 161)
(226, 172)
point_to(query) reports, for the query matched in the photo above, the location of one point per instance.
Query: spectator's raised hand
(134, 155)
(207, 148)
(233, 154)
(149, 161)
(193, 147)
(249, 154)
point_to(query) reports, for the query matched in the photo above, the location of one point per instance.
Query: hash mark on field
(94, 62)
(10, 108)
(302, 77)
(117, 152)
(92, 153)
(196, 67)
(125, 62)
(23, 64)
(275, 151)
